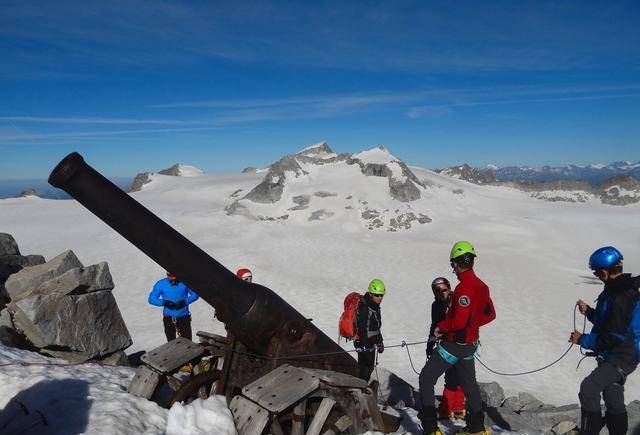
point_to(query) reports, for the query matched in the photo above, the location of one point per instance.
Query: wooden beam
(321, 416)
(297, 427)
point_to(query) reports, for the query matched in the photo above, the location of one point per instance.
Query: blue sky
(140, 85)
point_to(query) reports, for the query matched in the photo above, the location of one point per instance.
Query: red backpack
(347, 324)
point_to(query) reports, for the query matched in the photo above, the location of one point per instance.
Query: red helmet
(245, 274)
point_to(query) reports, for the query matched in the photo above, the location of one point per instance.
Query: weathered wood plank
(321, 416)
(299, 412)
(250, 419)
(172, 355)
(337, 379)
(281, 388)
(144, 383)
(276, 429)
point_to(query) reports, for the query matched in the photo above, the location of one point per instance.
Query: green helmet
(376, 287)
(461, 248)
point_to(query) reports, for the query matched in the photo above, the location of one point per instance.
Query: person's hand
(180, 305)
(169, 304)
(380, 347)
(582, 306)
(437, 333)
(575, 337)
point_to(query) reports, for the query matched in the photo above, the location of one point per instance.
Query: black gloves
(174, 305)
(380, 347)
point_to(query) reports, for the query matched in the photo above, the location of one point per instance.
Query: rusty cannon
(279, 372)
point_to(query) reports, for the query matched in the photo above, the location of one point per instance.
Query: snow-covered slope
(533, 255)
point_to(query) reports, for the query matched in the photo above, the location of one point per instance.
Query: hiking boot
(460, 415)
(466, 432)
(444, 415)
(434, 433)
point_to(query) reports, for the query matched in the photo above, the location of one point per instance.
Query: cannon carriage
(279, 372)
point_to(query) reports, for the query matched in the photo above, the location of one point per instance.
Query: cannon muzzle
(254, 314)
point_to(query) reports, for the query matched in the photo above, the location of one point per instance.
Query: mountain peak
(180, 170)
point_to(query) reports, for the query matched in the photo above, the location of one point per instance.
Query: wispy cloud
(96, 134)
(95, 121)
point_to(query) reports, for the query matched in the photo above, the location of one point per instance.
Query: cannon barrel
(254, 314)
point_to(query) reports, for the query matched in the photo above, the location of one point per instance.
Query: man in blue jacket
(612, 341)
(175, 297)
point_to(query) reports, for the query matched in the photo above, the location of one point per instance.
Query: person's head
(172, 277)
(376, 290)
(462, 257)
(245, 275)
(606, 263)
(441, 288)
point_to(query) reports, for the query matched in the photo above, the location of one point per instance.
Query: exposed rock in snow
(139, 181)
(28, 192)
(271, 187)
(250, 170)
(470, 174)
(319, 215)
(180, 170)
(621, 190)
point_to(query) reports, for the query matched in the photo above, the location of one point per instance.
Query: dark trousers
(181, 325)
(451, 379)
(605, 380)
(366, 363)
(465, 372)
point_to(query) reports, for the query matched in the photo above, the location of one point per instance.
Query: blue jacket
(611, 318)
(163, 290)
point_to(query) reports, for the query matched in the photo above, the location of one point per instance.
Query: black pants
(465, 371)
(180, 324)
(607, 380)
(366, 363)
(451, 379)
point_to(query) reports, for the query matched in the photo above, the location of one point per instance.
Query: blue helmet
(604, 258)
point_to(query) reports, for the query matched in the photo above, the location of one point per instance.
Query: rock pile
(59, 307)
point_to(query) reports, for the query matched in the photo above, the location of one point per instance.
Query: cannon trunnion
(269, 343)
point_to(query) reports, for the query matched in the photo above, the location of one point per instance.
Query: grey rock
(271, 187)
(8, 245)
(458, 191)
(301, 202)
(29, 278)
(80, 280)
(324, 194)
(512, 403)
(633, 411)
(545, 419)
(249, 170)
(318, 215)
(140, 180)
(370, 214)
(118, 358)
(394, 390)
(509, 420)
(235, 194)
(236, 208)
(563, 427)
(492, 393)
(32, 260)
(5, 318)
(90, 324)
(529, 402)
(405, 191)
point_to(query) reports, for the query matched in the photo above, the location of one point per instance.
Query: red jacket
(470, 308)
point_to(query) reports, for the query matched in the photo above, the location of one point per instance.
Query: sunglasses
(377, 296)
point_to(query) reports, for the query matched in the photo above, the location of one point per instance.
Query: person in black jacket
(452, 404)
(368, 324)
(611, 344)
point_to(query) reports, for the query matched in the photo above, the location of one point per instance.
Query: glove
(169, 304)
(380, 347)
(180, 305)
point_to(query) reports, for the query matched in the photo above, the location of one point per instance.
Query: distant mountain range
(595, 175)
